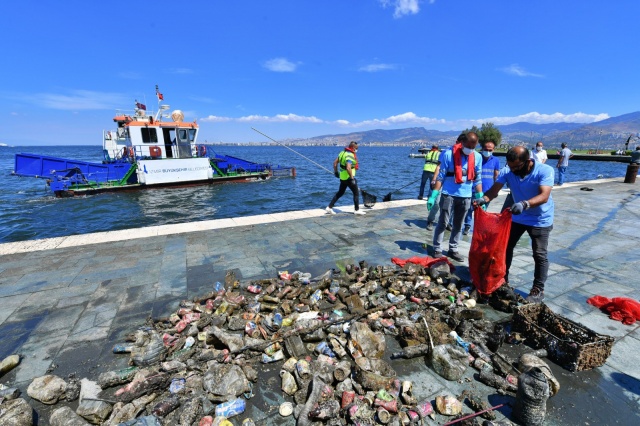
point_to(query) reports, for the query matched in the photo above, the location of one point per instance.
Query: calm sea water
(30, 211)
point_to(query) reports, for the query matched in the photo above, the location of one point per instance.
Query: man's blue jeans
(539, 242)
(561, 171)
(458, 207)
(426, 177)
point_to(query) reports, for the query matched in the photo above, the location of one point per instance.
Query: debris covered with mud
(327, 336)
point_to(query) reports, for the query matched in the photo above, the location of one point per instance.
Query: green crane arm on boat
(216, 168)
(126, 177)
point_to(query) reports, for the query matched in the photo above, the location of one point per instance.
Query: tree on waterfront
(489, 132)
(474, 129)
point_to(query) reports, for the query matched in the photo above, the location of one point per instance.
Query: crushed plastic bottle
(460, 341)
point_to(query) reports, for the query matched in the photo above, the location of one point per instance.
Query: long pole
(599, 139)
(306, 158)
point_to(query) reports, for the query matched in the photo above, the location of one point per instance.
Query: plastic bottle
(117, 377)
(412, 351)
(9, 363)
(449, 362)
(459, 341)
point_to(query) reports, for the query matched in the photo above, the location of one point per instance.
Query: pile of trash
(328, 335)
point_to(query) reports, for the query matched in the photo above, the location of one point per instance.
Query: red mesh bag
(619, 308)
(487, 257)
(425, 261)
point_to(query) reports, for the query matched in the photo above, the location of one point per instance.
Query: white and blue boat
(145, 150)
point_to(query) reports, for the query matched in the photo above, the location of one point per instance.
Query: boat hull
(74, 192)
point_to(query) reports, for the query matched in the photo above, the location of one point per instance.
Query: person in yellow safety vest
(430, 164)
(348, 162)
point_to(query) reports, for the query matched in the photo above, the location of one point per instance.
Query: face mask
(467, 151)
(487, 154)
(538, 148)
(523, 171)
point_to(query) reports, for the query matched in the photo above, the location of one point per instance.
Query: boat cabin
(143, 136)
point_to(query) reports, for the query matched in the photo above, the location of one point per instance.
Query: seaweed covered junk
(326, 336)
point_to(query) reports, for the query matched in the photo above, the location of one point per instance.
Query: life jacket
(457, 164)
(344, 156)
(431, 160)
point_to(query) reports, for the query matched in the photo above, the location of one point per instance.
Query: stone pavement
(64, 302)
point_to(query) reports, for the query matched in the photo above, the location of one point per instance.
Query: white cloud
(216, 119)
(280, 65)
(537, 118)
(407, 118)
(279, 118)
(517, 70)
(412, 119)
(377, 67)
(78, 100)
(403, 7)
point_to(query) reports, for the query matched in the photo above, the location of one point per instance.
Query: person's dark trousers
(352, 184)
(539, 242)
(426, 177)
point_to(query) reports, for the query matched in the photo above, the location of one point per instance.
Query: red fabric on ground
(619, 308)
(487, 256)
(425, 261)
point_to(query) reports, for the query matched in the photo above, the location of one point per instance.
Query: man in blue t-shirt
(490, 169)
(460, 170)
(530, 184)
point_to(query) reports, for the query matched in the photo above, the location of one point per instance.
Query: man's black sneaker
(429, 226)
(535, 295)
(455, 256)
(466, 230)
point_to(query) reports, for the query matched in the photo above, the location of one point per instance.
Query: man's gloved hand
(480, 201)
(517, 208)
(353, 181)
(432, 199)
(336, 174)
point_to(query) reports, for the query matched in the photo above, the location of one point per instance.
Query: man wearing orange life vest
(460, 170)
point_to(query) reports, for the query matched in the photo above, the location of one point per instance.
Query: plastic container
(531, 399)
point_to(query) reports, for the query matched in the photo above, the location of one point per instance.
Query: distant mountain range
(611, 133)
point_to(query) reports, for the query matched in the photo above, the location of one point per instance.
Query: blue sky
(295, 68)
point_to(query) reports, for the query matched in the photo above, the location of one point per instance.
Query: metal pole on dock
(599, 139)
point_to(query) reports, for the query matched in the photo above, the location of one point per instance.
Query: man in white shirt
(539, 154)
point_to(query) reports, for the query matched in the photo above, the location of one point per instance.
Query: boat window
(183, 135)
(192, 135)
(149, 135)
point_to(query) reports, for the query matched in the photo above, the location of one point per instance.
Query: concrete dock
(64, 302)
